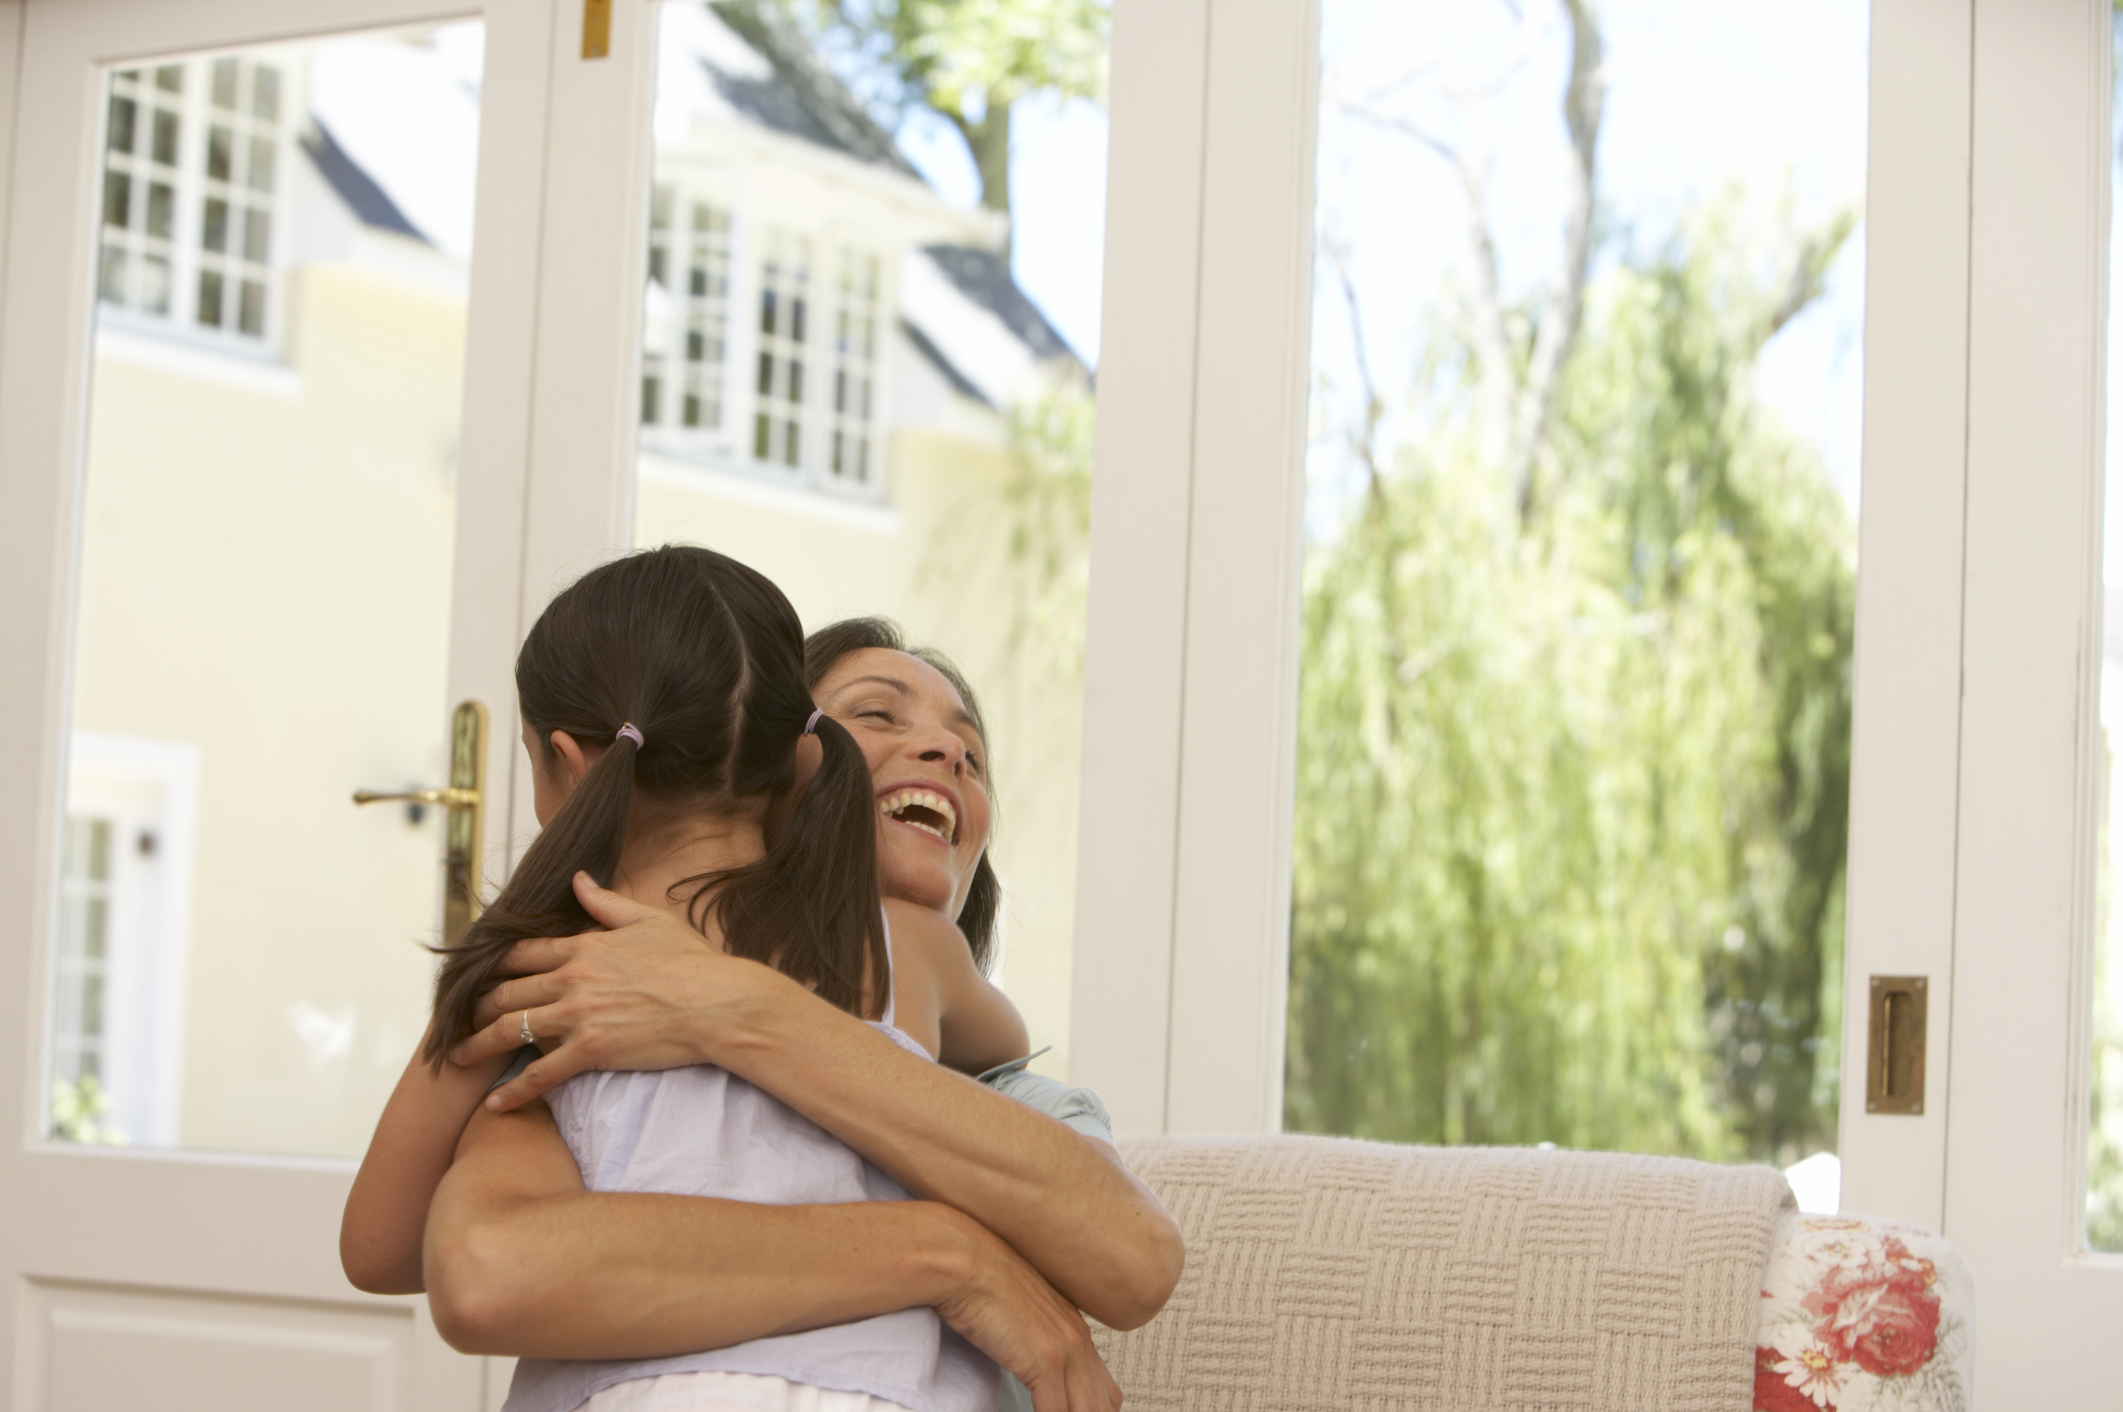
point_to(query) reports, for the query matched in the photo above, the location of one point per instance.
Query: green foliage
(81, 1113)
(1049, 500)
(970, 60)
(2104, 1184)
(1572, 782)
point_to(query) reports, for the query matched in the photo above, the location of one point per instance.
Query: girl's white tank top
(702, 1131)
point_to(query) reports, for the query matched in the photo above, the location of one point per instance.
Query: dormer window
(784, 310)
(686, 346)
(855, 368)
(191, 181)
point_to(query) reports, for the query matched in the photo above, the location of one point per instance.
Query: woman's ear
(573, 763)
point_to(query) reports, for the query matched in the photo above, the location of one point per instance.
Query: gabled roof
(984, 278)
(797, 94)
(738, 60)
(369, 202)
(965, 315)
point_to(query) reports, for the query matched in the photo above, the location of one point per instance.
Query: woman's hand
(1008, 1311)
(649, 992)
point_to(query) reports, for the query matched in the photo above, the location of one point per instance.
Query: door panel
(94, 1347)
(261, 609)
(262, 526)
(2028, 801)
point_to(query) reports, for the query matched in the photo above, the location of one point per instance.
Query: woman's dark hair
(706, 658)
(824, 648)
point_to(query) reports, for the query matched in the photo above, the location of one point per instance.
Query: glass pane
(1580, 553)
(2104, 1186)
(878, 391)
(264, 599)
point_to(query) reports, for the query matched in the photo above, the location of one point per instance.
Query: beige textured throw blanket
(1324, 1273)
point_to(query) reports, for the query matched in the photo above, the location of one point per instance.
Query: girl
(717, 832)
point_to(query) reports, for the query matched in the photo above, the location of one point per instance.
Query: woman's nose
(943, 748)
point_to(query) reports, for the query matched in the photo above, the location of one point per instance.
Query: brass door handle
(465, 799)
(449, 798)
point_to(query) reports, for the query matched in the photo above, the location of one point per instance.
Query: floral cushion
(1860, 1315)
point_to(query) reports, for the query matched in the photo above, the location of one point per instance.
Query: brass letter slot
(465, 798)
(1894, 1046)
(596, 28)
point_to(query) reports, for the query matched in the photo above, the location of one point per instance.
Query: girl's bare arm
(386, 1212)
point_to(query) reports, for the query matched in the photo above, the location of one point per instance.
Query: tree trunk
(989, 142)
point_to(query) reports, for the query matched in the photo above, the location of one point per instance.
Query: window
(686, 333)
(115, 1061)
(854, 368)
(140, 176)
(193, 158)
(784, 300)
(80, 967)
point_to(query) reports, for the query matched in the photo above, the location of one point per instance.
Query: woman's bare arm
(387, 1210)
(1064, 1203)
(522, 1260)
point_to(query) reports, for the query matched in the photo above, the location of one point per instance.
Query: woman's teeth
(924, 809)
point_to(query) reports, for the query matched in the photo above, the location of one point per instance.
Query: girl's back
(702, 1131)
(666, 709)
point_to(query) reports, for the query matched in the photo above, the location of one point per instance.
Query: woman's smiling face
(928, 766)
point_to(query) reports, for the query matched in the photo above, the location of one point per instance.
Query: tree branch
(1584, 103)
(1365, 442)
(1488, 331)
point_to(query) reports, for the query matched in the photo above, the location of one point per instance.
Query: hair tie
(631, 732)
(810, 727)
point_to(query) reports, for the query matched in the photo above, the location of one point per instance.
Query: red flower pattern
(1772, 1393)
(1883, 1316)
(1874, 1307)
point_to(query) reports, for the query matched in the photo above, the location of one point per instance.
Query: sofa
(1327, 1273)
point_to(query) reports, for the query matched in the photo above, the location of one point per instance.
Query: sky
(1702, 95)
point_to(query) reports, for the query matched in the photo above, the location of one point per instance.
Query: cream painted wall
(266, 575)
(937, 560)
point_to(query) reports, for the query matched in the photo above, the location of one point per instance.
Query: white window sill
(118, 340)
(746, 488)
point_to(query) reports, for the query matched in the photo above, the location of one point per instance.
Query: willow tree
(1574, 711)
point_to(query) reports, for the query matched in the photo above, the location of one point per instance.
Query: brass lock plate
(1894, 1045)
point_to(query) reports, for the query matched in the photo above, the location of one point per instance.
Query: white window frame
(668, 435)
(1977, 635)
(140, 787)
(1183, 895)
(180, 323)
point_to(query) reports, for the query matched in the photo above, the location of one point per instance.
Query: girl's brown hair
(824, 648)
(706, 658)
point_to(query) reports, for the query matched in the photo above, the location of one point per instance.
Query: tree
(1574, 716)
(971, 61)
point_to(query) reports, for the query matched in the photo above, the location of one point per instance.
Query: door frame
(134, 1219)
(2025, 867)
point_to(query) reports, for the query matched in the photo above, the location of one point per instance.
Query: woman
(645, 994)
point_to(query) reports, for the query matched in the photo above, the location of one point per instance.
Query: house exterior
(831, 359)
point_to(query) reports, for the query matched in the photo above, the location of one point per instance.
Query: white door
(1982, 779)
(272, 326)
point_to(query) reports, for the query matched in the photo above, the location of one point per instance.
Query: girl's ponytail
(585, 835)
(688, 668)
(810, 907)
